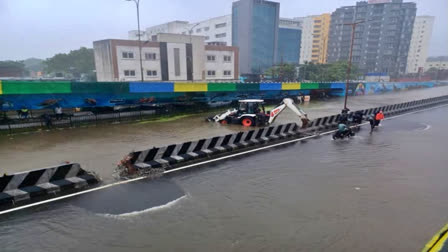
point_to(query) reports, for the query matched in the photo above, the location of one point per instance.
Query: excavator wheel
(247, 121)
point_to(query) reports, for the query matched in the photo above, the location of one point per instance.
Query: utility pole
(349, 67)
(137, 3)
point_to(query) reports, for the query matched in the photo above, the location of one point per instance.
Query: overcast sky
(42, 28)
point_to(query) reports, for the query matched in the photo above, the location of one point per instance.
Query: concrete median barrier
(32, 186)
(172, 156)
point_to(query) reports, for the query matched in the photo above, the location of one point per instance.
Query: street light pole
(349, 67)
(137, 4)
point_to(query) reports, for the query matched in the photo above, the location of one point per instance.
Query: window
(127, 55)
(129, 73)
(207, 37)
(150, 56)
(211, 73)
(227, 73)
(211, 58)
(316, 36)
(220, 35)
(198, 30)
(151, 72)
(176, 61)
(220, 25)
(227, 58)
(206, 28)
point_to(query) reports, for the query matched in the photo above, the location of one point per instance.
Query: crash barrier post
(168, 157)
(35, 185)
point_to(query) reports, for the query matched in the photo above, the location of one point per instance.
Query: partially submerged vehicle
(251, 112)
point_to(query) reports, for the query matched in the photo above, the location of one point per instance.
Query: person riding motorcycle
(343, 130)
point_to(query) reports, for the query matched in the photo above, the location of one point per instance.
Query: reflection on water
(130, 198)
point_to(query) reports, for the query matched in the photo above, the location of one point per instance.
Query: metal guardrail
(13, 125)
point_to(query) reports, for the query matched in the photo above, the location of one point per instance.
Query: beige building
(321, 28)
(440, 63)
(314, 41)
(170, 57)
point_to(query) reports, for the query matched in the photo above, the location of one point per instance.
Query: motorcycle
(341, 135)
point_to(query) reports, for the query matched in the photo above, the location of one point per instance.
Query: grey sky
(42, 28)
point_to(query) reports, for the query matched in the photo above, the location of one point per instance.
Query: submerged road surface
(99, 148)
(384, 191)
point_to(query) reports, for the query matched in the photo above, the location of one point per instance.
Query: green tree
(282, 72)
(11, 68)
(328, 72)
(74, 64)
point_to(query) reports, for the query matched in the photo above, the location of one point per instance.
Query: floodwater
(384, 191)
(99, 148)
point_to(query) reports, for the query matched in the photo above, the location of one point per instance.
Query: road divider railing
(31, 186)
(172, 156)
(331, 122)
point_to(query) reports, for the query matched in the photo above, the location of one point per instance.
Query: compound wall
(15, 95)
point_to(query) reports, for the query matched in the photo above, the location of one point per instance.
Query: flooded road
(99, 148)
(381, 192)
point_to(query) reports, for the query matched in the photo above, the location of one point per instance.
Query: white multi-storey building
(216, 31)
(440, 63)
(306, 43)
(168, 57)
(418, 49)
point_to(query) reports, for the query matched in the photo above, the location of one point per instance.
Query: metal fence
(36, 119)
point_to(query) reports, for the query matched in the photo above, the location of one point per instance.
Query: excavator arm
(288, 102)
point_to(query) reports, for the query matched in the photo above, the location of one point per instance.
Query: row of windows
(130, 55)
(131, 73)
(152, 73)
(153, 56)
(220, 25)
(213, 73)
(225, 58)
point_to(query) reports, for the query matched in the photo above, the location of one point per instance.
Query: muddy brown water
(384, 191)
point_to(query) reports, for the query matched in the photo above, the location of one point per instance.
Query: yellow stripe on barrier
(290, 85)
(1, 90)
(438, 241)
(190, 87)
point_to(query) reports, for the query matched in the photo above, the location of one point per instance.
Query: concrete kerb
(35, 185)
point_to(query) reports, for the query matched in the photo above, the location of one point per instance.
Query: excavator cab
(251, 106)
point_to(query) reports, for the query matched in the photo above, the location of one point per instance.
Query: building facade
(418, 49)
(255, 25)
(216, 31)
(306, 40)
(321, 29)
(440, 63)
(289, 35)
(171, 57)
(381, 44)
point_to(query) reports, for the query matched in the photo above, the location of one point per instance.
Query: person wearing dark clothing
(343, 117)
(47, 119)
(357, 117)
(371, 119)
